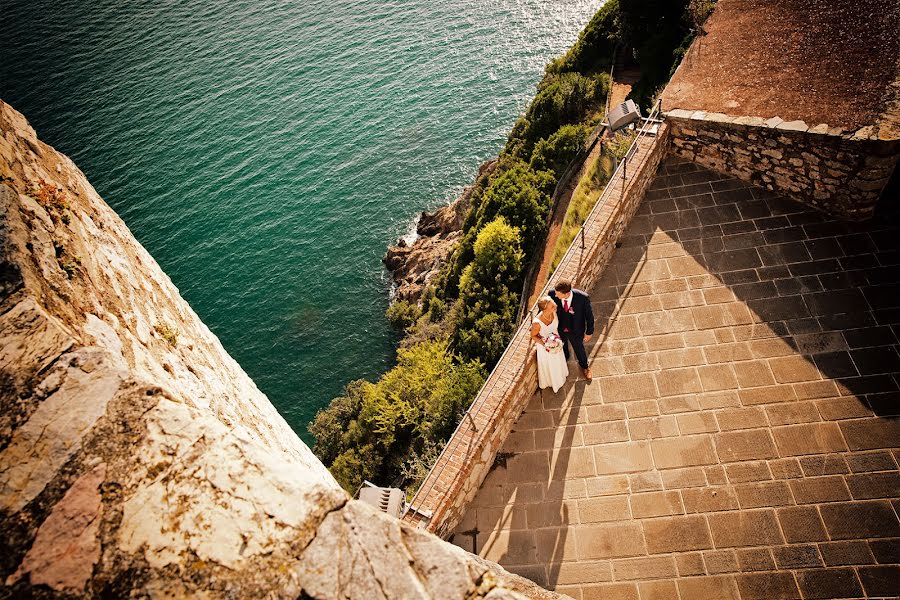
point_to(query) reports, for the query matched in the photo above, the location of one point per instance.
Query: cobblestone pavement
(739, 439)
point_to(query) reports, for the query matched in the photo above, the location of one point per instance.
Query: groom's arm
(589, 317)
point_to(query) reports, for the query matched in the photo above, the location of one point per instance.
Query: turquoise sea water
(267, 152)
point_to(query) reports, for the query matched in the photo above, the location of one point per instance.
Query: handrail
(485, 392)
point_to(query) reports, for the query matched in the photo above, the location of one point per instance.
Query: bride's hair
(542, 302)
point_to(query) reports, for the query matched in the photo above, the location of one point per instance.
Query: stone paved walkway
(740, 437)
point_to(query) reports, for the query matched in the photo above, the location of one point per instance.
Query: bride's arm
(536, 334)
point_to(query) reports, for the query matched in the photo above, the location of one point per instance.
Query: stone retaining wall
(840, 172)
(471, 452)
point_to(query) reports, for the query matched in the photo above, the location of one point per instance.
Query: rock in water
(413, 266)
(136, 456)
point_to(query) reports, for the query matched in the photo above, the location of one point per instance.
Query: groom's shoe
(587, 374)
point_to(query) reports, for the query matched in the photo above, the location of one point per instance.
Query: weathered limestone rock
(136, 457)
(414, 265)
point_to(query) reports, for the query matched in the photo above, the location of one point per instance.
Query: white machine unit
(387, 500)
(623, 114)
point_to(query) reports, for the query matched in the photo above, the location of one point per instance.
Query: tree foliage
(489, 293)
(556, 152)
(373, 430)
(593, 51)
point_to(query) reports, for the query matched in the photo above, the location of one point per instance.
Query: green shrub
(556, 152)
(562, 99)
(402, 314)
(593, 51)
(521, 196)
(489, 293)
(371, 431)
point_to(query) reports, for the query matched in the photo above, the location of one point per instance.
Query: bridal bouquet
(552, 343)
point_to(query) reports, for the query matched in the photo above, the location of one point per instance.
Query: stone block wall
(469, 455)
(837, 171)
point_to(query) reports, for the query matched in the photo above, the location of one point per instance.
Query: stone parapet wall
(837, 171)
(471, 453)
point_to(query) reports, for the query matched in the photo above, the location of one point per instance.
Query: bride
(551, 362)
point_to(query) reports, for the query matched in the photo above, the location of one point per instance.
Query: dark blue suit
(573, 326)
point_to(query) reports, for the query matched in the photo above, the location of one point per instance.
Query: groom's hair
(564, 286)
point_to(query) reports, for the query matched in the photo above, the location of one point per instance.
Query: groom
(576, 321)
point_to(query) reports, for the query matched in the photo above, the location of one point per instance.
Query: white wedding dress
(552, 367)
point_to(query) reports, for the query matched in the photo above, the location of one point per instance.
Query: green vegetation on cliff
(391, 431)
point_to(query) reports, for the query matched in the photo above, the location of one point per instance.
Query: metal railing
(468, 420)
(574, 166)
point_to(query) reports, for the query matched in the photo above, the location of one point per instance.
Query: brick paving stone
(656, 504)
(647, 481)
(755, 559)
(819, 489)
(683, 478)
(622, 458)
(711, 499)
(652, 427)
(715, 475)
(824, 464)
(768, 586)
(886, 551)
(846, 553)
(581, 572)
(871, 461)
(683, 451)
(721, 587)
(637, 386)
(606, 485)
(883, 581)
(871, 434)
(796, 556)
(744, 472)
(741, 418)
(610, 540)
(745, 528)
(676, 534)
(813, 438)
(658, 590)
(874, 485)
(829, 583)
(769, 493)
(755, 444)
(610, 591)
(788, 414)
(690, 563)
(853, 520)
(605, 432)
(652, 567)
(609, 508)
(528, 466)
(720, 561)
(674, 382)
(801, 524)
(701, 422)
(785, 468)
(552, 544)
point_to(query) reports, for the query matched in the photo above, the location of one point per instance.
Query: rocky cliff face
(136, 456)
(413, 266)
